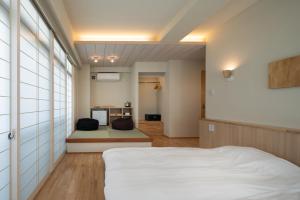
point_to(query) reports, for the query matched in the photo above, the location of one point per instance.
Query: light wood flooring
(163, 141)
(77, 177)
(81, 176)
(155, 130)
(151, 127)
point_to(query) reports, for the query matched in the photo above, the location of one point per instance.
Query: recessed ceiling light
(95, 59)
(112, 59)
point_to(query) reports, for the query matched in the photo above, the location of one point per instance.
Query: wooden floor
(151, 127)
(163, 141)
(77, 177)
(81, 176)
(155, 130)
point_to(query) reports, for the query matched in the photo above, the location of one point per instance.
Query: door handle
(11, 135)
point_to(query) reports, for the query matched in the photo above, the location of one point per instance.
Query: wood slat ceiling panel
(129, 53)
(134, 55)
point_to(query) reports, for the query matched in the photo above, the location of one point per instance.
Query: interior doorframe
(15, 100)
(203, 94)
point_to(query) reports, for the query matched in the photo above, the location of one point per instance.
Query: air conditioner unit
(108, 76)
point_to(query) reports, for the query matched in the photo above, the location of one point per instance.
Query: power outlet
(211, 128)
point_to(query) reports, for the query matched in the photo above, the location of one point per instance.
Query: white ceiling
(166, 22)
(121, 16)
(231, 9)
(129, 53)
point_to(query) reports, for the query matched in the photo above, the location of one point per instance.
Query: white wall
(113, 93)
(111, 69)
(267, 31)
(84, 95)
(59, 20)
(184, 108)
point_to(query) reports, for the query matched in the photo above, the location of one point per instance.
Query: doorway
(151, 103)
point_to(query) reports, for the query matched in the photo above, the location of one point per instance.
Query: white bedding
(225, 173)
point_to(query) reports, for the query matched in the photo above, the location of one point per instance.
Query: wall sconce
(228, 74)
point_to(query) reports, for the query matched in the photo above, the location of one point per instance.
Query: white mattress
(225, 173)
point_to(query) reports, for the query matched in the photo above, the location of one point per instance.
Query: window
(69, 99)
(4, 100)
(34, 99)
(59, 100)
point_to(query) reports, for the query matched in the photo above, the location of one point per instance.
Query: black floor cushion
(87, 124)
(122, 124)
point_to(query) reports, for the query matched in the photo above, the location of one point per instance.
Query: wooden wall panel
(284, 143)
(285, 73)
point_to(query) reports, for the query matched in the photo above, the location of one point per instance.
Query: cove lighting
(193, 38)
(115, 38)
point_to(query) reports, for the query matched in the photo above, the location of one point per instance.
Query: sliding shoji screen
(34, 99)
(69, 99)
(59, 100)
(4, 100)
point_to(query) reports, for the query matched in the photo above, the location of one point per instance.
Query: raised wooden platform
(106, 138)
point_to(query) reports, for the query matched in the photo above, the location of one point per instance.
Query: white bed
(225, 173)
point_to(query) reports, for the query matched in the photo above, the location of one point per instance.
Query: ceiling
(112, 17)
(145, 30)
(144, 20)
(129, 52)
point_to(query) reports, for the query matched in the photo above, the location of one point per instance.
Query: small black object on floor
(87, 124)
(152, 117)
(122, 124)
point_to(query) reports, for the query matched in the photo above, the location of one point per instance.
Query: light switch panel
(211, 128)
(212, 92)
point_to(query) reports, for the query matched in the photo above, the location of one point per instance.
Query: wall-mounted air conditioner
(108, 76)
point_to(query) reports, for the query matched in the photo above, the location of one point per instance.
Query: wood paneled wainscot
(282, 142)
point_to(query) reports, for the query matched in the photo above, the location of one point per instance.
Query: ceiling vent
(108, 76)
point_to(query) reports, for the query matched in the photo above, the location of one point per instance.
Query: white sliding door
(4, 100)
(44, 101)
(34, 99)
(59, 101)
(70, 125)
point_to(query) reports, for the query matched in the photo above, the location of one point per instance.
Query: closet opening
(152, 98)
